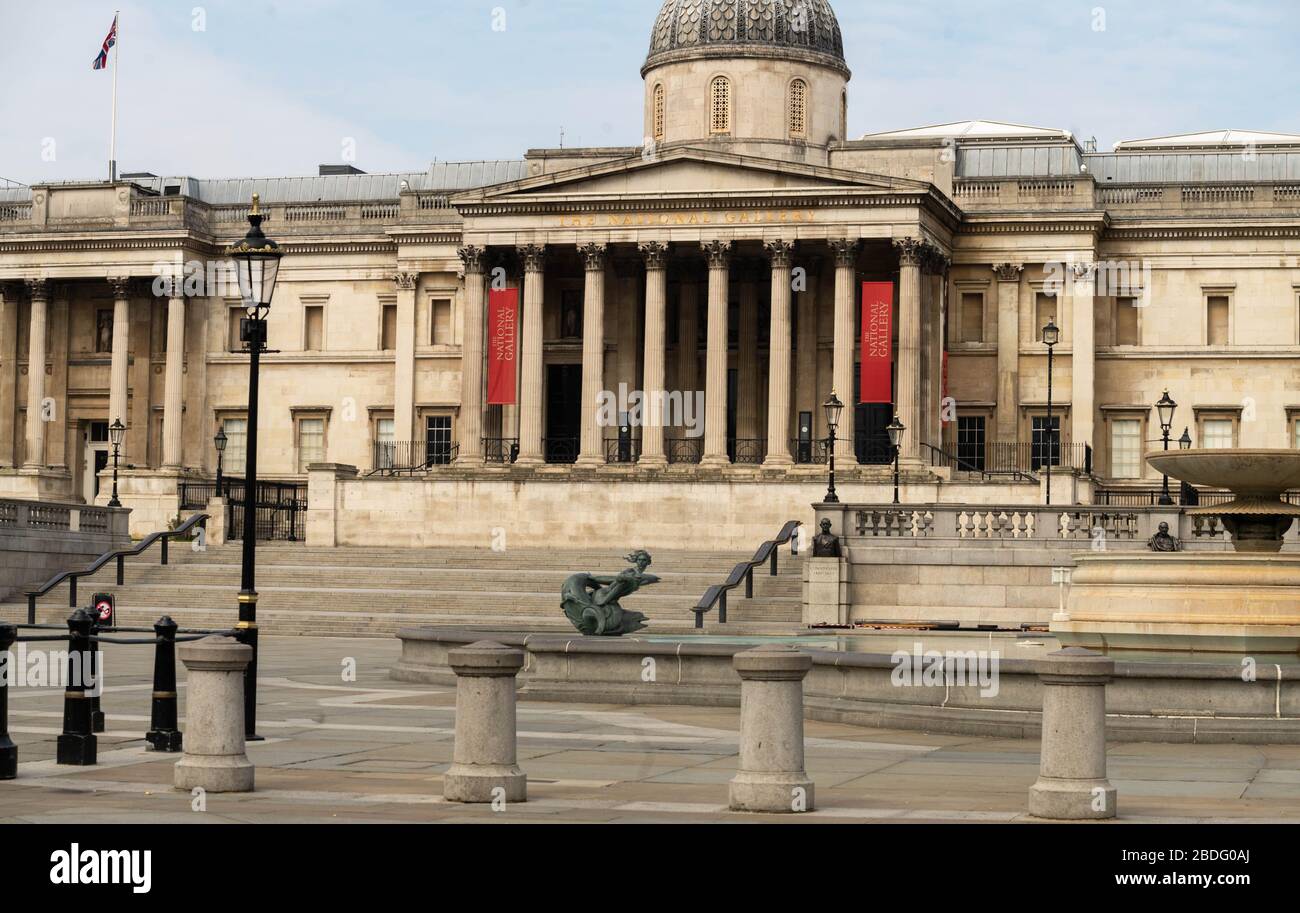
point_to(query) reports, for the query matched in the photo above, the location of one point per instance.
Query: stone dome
(801, 29)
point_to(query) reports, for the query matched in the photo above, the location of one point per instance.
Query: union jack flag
(101, 62)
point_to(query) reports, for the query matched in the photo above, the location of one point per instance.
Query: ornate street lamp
(116, 432)
(257, 265)
(896, 430)
(220, 442)
(1165, 408)
(1051, 336)
(834, 409)
(1185, 442)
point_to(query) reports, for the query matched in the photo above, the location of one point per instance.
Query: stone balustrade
(40, 538)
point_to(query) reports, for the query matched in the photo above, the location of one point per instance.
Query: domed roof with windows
(804, 29)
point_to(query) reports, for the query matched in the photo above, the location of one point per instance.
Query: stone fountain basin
(1246, 473)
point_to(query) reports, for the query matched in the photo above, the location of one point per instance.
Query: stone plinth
(1072, 782)
(825, 592)
(772, 777)
(484, 763)
(215, 759)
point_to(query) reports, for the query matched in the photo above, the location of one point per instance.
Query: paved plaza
(373, 750)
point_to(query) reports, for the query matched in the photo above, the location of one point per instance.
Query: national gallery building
(600, 330)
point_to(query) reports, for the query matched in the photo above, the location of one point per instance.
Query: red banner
(502, 345)
(877, 342)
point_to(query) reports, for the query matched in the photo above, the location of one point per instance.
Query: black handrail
(942, 458)
(121, 555)
(745, 572)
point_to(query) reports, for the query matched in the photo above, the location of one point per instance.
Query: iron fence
(399, 457)
(502, 450)
(281, 510)
(622, 450)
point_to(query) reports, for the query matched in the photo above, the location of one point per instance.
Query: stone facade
(722, 257)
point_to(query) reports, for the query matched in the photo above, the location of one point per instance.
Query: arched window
(720, 106)
(659, 112)
(798, 119)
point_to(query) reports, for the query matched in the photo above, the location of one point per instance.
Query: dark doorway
(733, 402)
(870, 426)
(563, 413)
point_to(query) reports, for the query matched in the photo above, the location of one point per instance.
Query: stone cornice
(1201, 232)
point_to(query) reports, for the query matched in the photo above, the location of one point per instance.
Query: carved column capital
(1008, 272)
(911, 251)
(718, 253)
(121, 286)
(406, 281)
(935, 262)
(594, 256)
(533, 257)
(1084, 272)
(845, 250)
(473, 258)
(38, 289)
(780, 253)
(655, 254)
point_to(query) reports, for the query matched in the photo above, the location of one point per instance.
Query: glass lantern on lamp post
(896, 430)
(833, 409)
(116, 432)
(220, 442)
(1051, 336)
(1165, 408)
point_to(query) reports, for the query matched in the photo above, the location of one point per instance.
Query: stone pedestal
(214, 717)
(216, 528)
(772, 777)
(484, 759)
(825, 591)
(1072, 782)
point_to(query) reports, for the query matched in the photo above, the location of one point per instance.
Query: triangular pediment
(691, 171)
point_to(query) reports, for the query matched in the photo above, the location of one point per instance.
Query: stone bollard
(214, 757)
(772, 777)
(484, 758)
(1072, 784)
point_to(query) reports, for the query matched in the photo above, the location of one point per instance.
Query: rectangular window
(236, 444)
(313, 335)
(1217, 433)
(388, 328)
(311, 442)
(1126, 322)
(1126, 449)
(1216, 329)
(972, 317)
(233, 318)
(437, 439)
(440, 322)
(1045, 311)
(970, 443)
(1295, 435)
(385, 443)
(1044, 443)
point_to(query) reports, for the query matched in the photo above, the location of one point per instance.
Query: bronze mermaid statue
(590, 601)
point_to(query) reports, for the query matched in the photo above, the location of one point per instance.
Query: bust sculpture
(826, 544)
(1162, 541)
(590, 601)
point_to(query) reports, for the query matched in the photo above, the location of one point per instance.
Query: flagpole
(112, 142)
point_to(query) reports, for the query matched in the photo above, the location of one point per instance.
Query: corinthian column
(778, 364)
(1083, 359)
(173, 390)
(656, 307)
(117, 385)
(8, 373)
(404, 362)
(1008, 349)
(40, 294)
(715, 389)
(908, 396)
(531, 358)
(846, 259)
(471, 361)
(593, 355)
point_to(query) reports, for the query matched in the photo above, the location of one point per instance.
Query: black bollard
(96, 714)
(163, 734)
(77, 743)
(8, 750)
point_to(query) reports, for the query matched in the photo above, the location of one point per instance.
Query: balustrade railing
(618, 450)
(684, 451)
(500, 450)
(747, 451)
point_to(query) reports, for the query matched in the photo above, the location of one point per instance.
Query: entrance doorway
(94, 435)
(563, 413)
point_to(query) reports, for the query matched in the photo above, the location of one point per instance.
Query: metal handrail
(767, 552)
(942, 458)
(120, 554)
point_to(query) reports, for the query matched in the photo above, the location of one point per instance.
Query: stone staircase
(376, 591)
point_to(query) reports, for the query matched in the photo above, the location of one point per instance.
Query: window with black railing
(971, 442)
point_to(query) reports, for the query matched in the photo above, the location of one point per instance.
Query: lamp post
(116, 432)
(257, 264)
(220, 442)
(1185, 442)
(1051, 336)
(1165, 408)
(834, 408)
(896, 429)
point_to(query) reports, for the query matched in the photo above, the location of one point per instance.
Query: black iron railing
(1011, 458)
(184, 531)
(747, 451)
(619, 450)
(281, 510)
(196, 495)
(744, 573)
(502, 450)
(685, 451)
(561, 451)
(810, 453)
(411, 457)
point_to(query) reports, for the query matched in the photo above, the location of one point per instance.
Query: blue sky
(278, 86)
